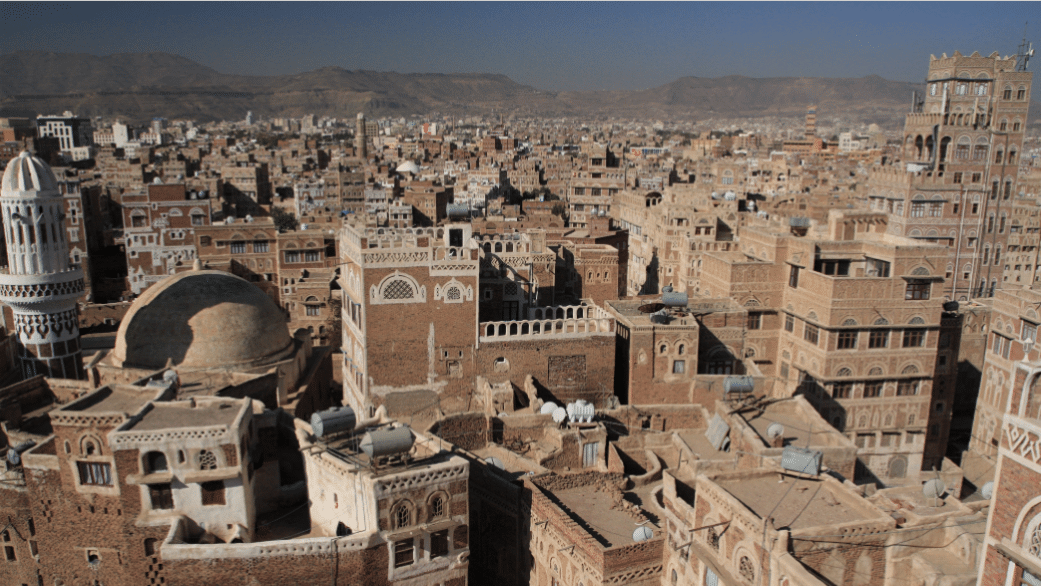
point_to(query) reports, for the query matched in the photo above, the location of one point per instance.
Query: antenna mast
(1026, 51)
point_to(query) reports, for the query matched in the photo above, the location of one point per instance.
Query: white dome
(408, 167)
(28, 176)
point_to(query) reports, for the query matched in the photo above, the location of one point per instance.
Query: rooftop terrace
(793, 502)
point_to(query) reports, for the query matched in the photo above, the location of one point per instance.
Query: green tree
(284, 221)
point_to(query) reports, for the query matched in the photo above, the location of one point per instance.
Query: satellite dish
(987, 491)
(548, 408)
(642, 534)
(493, 461)
(934, 489)
(559, 415)
(775, 430)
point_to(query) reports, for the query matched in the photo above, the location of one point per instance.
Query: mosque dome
(408, 167)
(202, 319)
(28, 176)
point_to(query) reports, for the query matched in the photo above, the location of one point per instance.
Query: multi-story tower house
(959, 167)
(159, 232)
(1013, 333)
(594, 185)
(413, 337)
(40, 285)
(850, 317)
(360, 140)
(408, 296)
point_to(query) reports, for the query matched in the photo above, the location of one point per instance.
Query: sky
(552, 46)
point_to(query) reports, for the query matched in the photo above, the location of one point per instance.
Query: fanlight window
(398, 289)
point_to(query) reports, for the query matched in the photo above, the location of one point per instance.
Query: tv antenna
(1025, 52)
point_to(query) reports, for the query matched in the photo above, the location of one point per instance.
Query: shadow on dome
(206, 319)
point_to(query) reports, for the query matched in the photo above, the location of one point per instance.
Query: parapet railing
(579, 320)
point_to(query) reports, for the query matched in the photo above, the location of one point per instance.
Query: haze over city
(552, 46)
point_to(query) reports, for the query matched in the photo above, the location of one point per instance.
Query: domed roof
(202, 319)
(408, 167)
(28, 176)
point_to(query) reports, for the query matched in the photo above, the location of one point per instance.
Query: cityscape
(440, 326)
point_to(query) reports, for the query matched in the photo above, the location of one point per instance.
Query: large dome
(202, 319)
(28, 176)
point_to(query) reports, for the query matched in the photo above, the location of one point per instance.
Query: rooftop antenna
(1026, 51)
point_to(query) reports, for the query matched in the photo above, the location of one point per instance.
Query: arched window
(402, 515)
(207, 460)
(437, 507)
(398, 289)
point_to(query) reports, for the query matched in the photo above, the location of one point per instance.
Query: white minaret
(39, 284)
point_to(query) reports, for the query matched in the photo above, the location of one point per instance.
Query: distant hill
(139, 86)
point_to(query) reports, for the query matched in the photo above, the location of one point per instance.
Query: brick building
(159, 232)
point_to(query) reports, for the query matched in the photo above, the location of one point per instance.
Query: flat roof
(593, 510)
(167, 415)
(800, 429)
(125, 399)
(793, 502)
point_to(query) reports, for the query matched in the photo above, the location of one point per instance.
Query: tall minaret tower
(361, 143)
(39, 284)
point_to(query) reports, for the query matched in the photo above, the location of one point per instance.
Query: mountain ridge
(138, 86)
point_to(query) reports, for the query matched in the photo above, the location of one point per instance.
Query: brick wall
(567, 368)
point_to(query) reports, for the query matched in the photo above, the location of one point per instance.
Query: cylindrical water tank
(738, 384)
(14, 453)
(387, 442)
(333, 420)
(674, 299)
(457, 210)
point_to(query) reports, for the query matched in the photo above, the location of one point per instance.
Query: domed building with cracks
(223, 336)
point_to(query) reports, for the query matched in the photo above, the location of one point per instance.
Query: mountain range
(139, 86)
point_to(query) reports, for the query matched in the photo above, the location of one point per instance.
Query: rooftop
(166, 415)
(794, 502)
(799, 429)
(125, 399)
(597, 512)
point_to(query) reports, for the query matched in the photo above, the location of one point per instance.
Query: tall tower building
(811, 122)
(360, 140)
(39, 284)
(957, 181)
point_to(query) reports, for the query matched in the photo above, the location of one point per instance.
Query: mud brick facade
(420, 293)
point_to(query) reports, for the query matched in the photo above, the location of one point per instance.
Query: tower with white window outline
(39, 284)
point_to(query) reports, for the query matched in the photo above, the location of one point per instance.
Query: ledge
(153, 478)
(208, 475)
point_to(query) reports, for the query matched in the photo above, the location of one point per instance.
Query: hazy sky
(555, 46)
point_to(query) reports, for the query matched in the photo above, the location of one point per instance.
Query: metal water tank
(333, 420)
(674, 299)
(738, 384)
(457, 210)
(387, 442)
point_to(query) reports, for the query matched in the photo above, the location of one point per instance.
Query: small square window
(679, 366)
(439, 544)
(404, 554)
